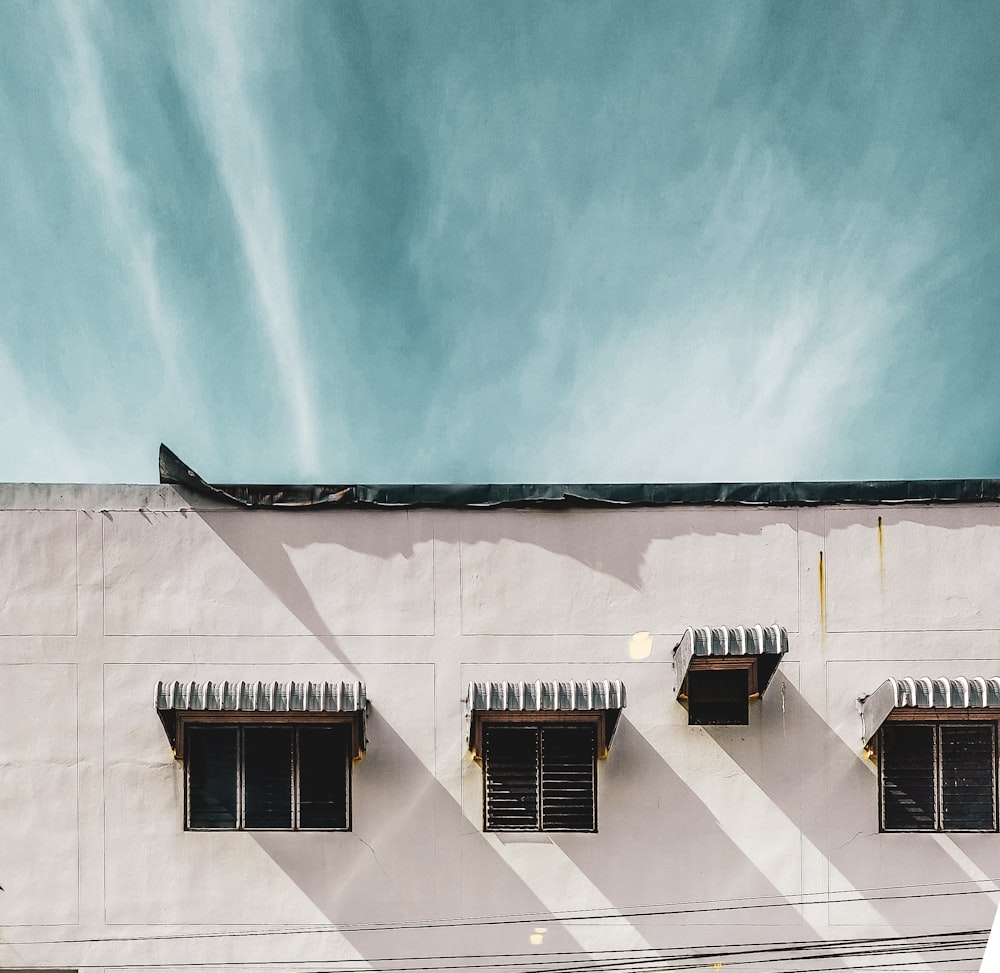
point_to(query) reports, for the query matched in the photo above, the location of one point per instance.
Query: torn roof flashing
(865, 492)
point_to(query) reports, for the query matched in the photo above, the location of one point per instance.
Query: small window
(718, 697)
(257, 776)
(938, 776)
(540, 777)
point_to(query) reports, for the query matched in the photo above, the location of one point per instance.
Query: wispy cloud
(766, 365)
(34, 446)
(130, 232)
(218, 85)
(687, 242)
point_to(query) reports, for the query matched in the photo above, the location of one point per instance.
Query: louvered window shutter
(510, 773)
(568, 778)
(907, 762)
(540, 778)
(968, 769)
(212, 776)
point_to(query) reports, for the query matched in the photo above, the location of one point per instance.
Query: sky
(427, 241)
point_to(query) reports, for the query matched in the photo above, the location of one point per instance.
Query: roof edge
(494, 495)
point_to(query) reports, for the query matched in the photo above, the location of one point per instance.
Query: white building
(260, 739)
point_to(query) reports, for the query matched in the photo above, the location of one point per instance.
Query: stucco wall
(101, 599)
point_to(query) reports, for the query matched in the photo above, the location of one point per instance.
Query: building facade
(559, 733)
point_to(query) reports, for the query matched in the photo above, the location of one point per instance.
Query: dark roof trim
(865, 492)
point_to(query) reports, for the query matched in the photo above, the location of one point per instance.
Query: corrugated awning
(926, 692)
(761, 645)
(264, 699)
(602, 700)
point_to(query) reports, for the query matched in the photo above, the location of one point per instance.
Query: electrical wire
(684, 958)
(917, 956)
(693, 907)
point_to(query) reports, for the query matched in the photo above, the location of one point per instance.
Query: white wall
(104, 593)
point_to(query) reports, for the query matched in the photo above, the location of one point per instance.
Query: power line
(916, 955)
(625, 960)
(695, 907)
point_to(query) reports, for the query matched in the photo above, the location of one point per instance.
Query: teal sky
(518, 241)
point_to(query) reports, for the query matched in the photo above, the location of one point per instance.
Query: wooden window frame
(708, 663)
(243, 721)
(539, 722)
(982, 717)
(481, 717)
(729, 663)
(184, 719)
(706, 707)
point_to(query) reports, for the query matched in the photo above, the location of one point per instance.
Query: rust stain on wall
(881, 563)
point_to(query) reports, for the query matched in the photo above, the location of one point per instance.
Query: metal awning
(925, 692)
(600, 700)
(267, 700)
(760, 647)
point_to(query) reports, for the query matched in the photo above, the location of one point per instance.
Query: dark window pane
(212, 776)
(323, 776)
(718, 697)
(267, 780)
(568, 778)
(907, 766)
(968, 801)
(510, 769)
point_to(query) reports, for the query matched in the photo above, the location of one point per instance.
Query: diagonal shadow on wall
(412, 858)
(835, 805)
(664, 847)
(615, 542)
(262, 544)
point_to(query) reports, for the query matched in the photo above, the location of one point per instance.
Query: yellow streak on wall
(822, 594)
(881, 564)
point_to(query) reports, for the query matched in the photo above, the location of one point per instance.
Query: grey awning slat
(243, 696)
(262, 697)
(606, 697)
(926, 692)
(538, 696)
(740, 642)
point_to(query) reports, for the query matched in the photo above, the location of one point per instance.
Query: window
(719, 697)
(938, 776)
(540, 776)
(256, 775)
(719, 670)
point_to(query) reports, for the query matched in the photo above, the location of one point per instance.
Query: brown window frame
(709, 712)
(540, 723)
(938, 721)
(242, 722)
